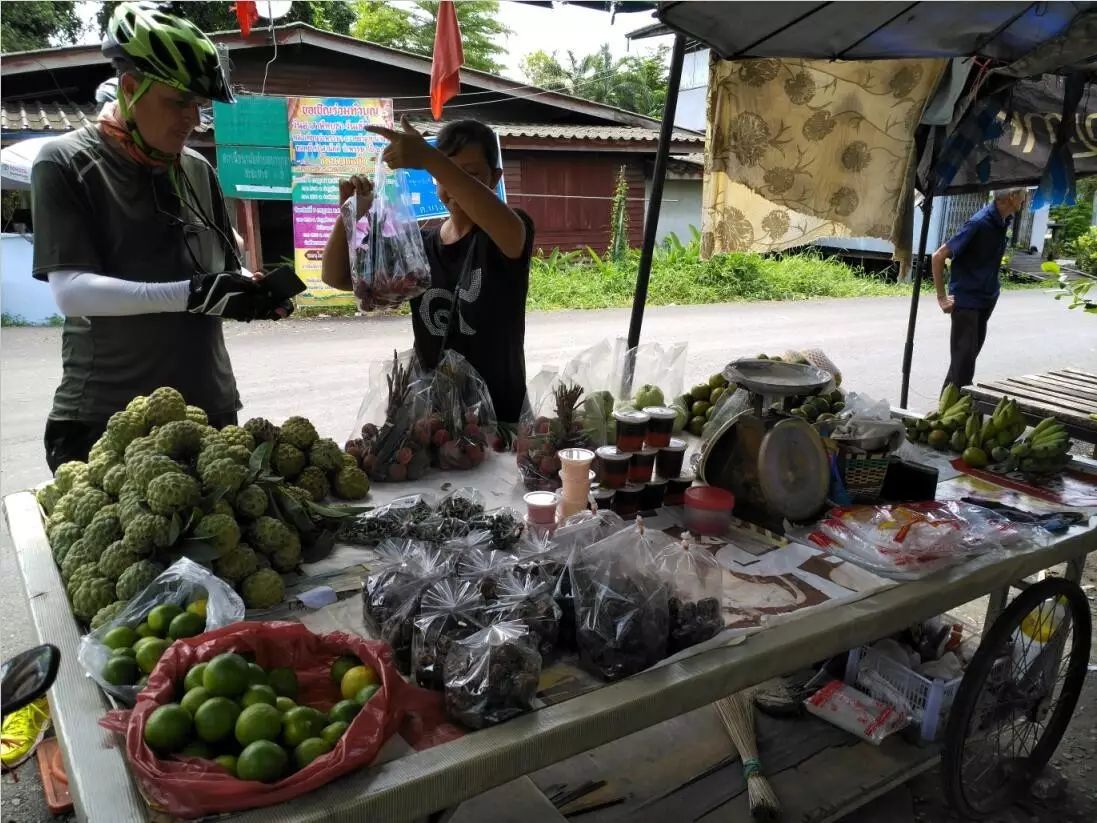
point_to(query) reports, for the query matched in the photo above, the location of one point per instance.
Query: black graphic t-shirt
(489, 324)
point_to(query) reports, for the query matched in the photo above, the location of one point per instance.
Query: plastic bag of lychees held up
(462, 417)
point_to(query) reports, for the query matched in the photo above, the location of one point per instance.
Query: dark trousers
(72, 439)
(969, 330)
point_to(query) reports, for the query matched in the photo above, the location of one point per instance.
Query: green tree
(1075, 219)
(412, 29)
(38, 25)
(332, 15)
(636, 83)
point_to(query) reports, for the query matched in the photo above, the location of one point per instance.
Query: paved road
(319, 368)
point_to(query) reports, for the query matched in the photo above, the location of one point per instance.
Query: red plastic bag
(192, 787)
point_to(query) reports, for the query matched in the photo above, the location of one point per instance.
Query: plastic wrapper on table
(451, 610)
(492, 676)
(908, 541)
(439, 529)
(505, 524)
(463, 504)
(388, 264)
(869, 719)
(194, 787)
(388, 522)
(530, 601)
(179, 584)
(696, 590)
(621, 603)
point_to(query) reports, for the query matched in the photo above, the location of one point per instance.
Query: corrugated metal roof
(36, 116)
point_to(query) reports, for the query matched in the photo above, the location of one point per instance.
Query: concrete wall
(21, 295)
(681, 207)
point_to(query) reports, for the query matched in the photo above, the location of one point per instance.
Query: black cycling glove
(228, 294)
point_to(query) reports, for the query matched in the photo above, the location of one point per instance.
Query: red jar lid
(710, 498)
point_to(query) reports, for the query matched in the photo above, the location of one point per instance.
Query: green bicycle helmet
(152, 40)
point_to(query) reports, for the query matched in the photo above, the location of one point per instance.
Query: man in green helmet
(133, 236)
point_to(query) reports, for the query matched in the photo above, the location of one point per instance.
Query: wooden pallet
(1067, 394)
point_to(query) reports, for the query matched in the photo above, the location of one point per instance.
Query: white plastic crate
(929, 700)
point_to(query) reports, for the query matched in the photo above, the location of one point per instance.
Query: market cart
(671, 702)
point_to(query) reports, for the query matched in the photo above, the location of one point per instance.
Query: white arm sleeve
(84, 294)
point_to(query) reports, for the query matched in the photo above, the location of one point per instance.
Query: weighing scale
(774, 463)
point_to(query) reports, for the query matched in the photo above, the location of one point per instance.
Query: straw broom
(737, 714)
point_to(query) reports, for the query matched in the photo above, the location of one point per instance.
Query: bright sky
(557, 29)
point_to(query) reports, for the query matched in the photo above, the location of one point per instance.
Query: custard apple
(223, 506)
(139, 447)
(251, 502)
(269, 534)
(106, 614)
(325, 454)
(210, 454)
(47, 497)
(64, 507)
(220, 531)
(88, 505)
(349, 462)
(139, 408)
(299, 432)
(197, 415)
(126, 426)
(69, 474)
(62, 537)
(237, 564)
(296, 493)
(77, 556)
(116, 559)
(212, 437)
(55, 519)
(110, 510)
(79, 576)
(236, 436)
(315, 482)
(287, 461)
(147, 468)
(263, 589)
(129, 506)
(100, 465)
(165, 406)
(136, 578)
(180, 439)
(287, 558)
(351, 484)
(114, 479)
(92, 595)
(101, 532)
(238, 453)
(146, 532)
(171, 493)
(261, 430)
(224, 475)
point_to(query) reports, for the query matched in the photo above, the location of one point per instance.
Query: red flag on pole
(246, 14)
(445, 72)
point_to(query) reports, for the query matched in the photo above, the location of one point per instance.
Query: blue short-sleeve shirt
(977, 258)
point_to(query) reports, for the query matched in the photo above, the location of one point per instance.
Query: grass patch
(18, 320)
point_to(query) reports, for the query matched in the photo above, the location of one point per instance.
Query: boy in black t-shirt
(478, 309)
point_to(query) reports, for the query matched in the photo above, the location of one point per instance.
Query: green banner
(252, 121)
(257, 173)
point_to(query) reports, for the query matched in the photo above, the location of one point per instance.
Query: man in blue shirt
(976, 253)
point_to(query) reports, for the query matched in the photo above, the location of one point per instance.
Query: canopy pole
(912, 321)
(655, 201)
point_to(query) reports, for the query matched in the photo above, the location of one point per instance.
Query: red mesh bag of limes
(254, 714)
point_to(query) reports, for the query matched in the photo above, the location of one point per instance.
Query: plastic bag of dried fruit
(492, 676)
(696, 591)
(529, 600)
(450, 610)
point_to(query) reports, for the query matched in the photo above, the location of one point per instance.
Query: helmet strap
(125, 108)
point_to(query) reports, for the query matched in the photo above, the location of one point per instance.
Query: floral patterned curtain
(802, 149)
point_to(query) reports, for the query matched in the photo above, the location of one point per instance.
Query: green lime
(186, 624)
(295, 730)
(168, 728)
(363, 696)
(346, 710)
(120, 637)
(284, 704)
(144, 630)
(125, 651)
(283, 681)
(194, 677)
(215, 719)
(258, 722)
(226, 675)
(194, 698)
(309, 750)
(258, 694)
(149, 651)
(160, 618)
(341, 666)
(198, 607)
(257, 675)
(121, 671)
(197, 748)
(333, 731)
(262, 760)
(226, 762)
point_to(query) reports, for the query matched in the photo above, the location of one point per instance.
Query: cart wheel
(1016, 699)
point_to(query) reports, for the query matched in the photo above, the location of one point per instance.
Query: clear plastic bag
(505, 525)
(437, 529)
(552, 420)
(492, 676)
(179, 584)
(622, 616)
(652, 364)
(909, 541)
(529, 600)
(463, 503)
(595, 369)
(484, 568)
(845, 707)
(451, 610)
(388, 522)
(462, 417)
(696, 584)
(388, 264)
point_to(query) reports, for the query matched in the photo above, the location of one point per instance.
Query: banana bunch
(1045, 450)
(938, 427)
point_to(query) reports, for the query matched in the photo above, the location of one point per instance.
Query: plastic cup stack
(575, 474)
